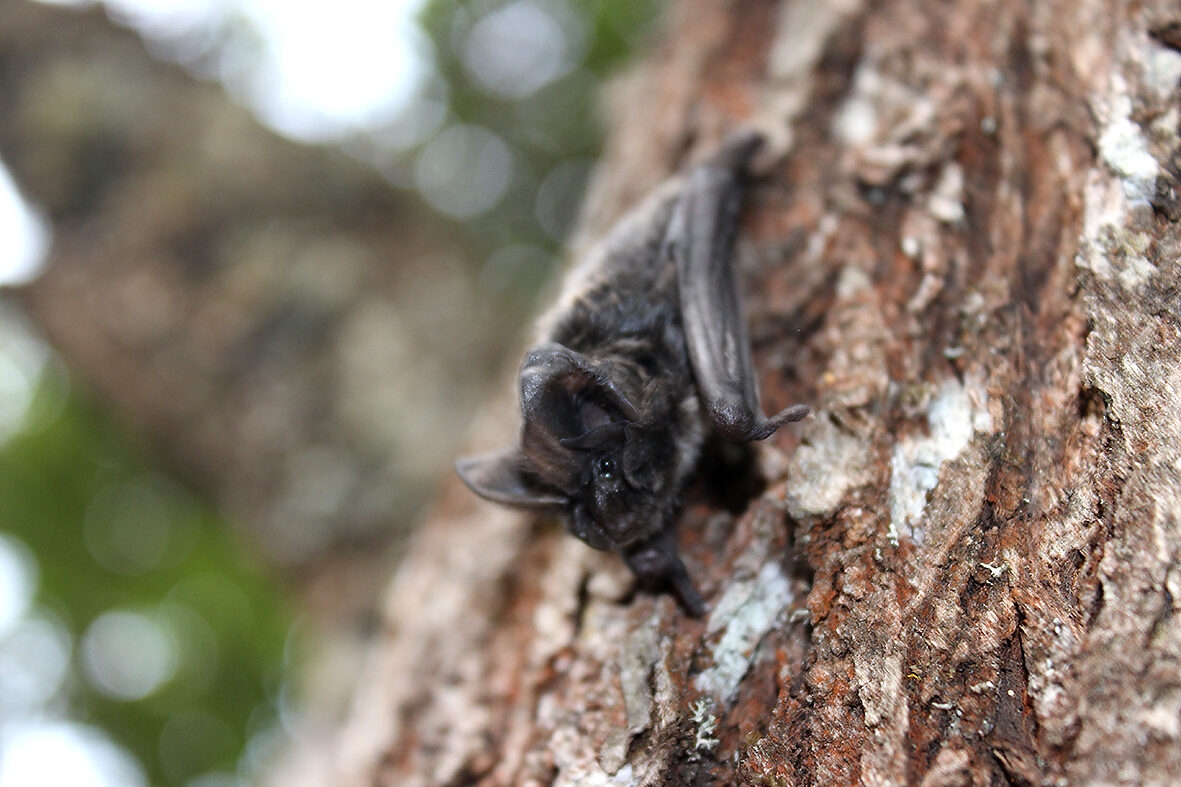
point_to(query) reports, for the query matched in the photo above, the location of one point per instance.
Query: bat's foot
(691, 600)
(655, 562)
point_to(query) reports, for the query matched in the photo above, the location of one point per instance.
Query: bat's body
(645, 353)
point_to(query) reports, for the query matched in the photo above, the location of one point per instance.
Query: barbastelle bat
(646, 351)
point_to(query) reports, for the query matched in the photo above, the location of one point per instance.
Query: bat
(644, 354)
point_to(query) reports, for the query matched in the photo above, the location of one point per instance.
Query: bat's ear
(553, 369)
(498, 477)
(569, 405)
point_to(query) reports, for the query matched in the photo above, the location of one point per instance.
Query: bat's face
(623, 482)
(590, 445)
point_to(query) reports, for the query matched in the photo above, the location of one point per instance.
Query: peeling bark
(964, 569)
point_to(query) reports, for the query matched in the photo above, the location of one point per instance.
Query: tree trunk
(964, 568)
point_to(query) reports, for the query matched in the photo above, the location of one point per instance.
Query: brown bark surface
(964, 568)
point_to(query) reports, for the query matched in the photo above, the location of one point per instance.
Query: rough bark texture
(964, 568)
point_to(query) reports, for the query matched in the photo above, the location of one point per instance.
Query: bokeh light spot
(127, 655)
(464, 171)
(128, 528)
(166, 19)
(196, 644)
(559, 197)
(514, 270)
(24, 235)
(515, 50)
(34, 656)
(60, 754)
(18, 581)
(194, 740)
(22, 363)
(328, 73)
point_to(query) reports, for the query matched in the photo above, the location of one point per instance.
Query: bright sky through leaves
(324, 71)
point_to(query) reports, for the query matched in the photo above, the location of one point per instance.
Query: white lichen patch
(946, 202)
(882, 121)
(1109, 244)
(1161, 67)
(879, 684)
(745, 613)
(553, 618)
(625, 776)
(804, 30)
(1124, 148)
(824, 468)
(856, 122)
(705, 723)
(954, 415)
(1119, 195)
(575, 765)
(911, 246)
(636, 663)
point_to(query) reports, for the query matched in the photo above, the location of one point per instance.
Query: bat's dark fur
(647, 351)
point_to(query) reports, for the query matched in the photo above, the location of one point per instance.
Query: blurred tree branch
(268, 314)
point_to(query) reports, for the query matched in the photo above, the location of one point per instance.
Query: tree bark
(964, 568)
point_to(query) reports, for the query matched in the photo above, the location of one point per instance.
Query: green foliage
(553, 132)
(112, 534)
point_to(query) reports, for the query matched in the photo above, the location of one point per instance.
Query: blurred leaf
(71, 486)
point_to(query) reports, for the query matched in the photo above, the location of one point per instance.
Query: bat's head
(595, 445)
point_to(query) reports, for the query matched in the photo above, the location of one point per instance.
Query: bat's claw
(747, 426)
(797, 412)
(737, 149)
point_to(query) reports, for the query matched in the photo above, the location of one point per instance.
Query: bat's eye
(605, 467)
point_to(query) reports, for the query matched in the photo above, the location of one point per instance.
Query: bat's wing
(700, 238)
